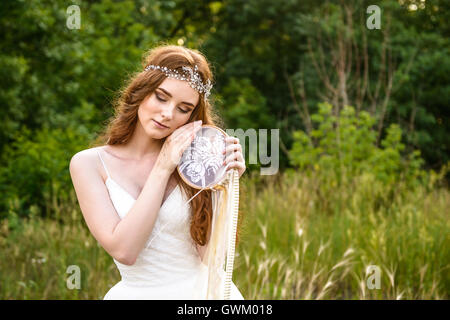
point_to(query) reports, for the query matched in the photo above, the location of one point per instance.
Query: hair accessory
(189, 75)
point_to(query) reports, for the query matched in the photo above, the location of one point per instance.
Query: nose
(167, 111)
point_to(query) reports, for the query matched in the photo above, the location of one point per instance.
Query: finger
(176, 134)
(234, 156)
(195, 129)
(239, 166)
(190, 127)
(236, 164)
(229, 158)
(188, 138)
(182, 141)
(234, 152)
(231, 140)
(186, 128)
(239, 156)
(232, 148)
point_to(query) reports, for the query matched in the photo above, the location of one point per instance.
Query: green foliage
(267, 40)
(344, 146)
(243, 106)
(56, 86)
(35, 175)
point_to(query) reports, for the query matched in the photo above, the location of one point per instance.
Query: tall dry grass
(301, 244)
(297, 242)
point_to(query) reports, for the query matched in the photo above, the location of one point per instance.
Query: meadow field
(295, 243)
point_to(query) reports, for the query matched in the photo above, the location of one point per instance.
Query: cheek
(143, 114)
(179, 122)
(183, 119)
(147, 108)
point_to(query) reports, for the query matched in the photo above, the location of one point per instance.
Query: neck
(141, 146)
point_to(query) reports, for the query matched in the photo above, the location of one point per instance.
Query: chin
(156, 134)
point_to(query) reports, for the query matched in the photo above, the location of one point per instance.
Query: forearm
(132, 232)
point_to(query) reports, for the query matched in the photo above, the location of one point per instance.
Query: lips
(159, 124)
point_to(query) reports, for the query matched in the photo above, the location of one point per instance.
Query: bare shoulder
(84, 160)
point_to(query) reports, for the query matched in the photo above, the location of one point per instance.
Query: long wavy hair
(141, 84)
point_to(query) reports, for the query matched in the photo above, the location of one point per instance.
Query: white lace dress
(169, 266)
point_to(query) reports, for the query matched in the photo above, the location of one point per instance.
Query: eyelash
(184, 111)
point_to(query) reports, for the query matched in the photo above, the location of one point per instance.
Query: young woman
(128, 187)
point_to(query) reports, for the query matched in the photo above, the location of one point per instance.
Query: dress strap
(104, 166)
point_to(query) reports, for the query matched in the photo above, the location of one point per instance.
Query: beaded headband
(189, 75)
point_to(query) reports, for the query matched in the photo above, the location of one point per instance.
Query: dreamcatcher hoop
(201, 165)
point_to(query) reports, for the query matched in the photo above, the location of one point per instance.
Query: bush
(35, 177)
(343, 147)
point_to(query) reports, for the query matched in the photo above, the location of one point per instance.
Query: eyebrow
(168, 93)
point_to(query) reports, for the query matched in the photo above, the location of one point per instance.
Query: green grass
(298, 240)
(301, 245)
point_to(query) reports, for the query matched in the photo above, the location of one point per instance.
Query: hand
(234, 157)
(175, 144)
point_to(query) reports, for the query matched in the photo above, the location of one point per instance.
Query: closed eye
(159, 98)
(162, 100)
(184, 111)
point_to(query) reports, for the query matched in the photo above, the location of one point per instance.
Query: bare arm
(132, 232)
(122, 239)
